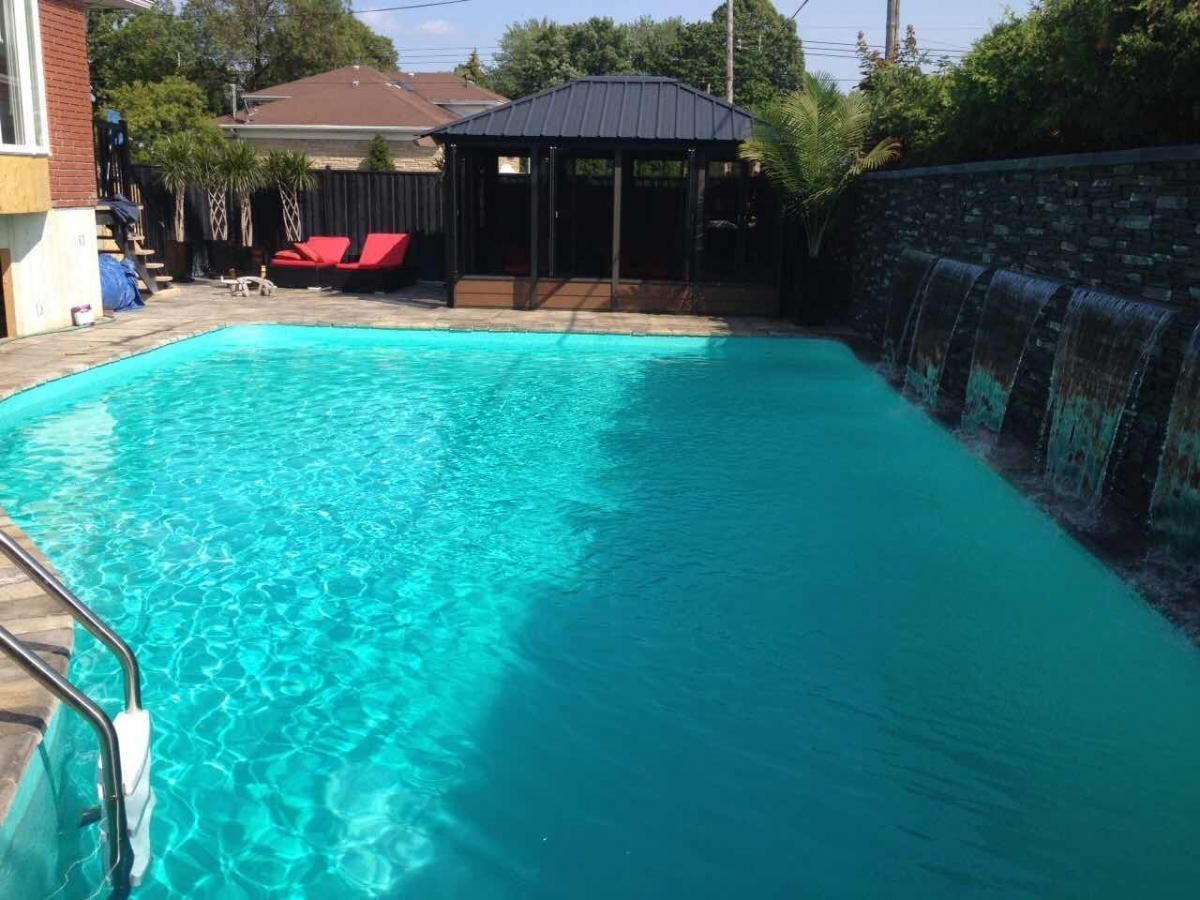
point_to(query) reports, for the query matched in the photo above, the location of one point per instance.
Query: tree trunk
(179, 236)
(247, 221)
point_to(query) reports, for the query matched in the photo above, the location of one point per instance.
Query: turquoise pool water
(530, 616)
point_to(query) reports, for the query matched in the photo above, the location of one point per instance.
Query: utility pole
(891, 44)
(729, 50)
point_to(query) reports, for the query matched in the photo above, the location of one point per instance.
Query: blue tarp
(118, 284)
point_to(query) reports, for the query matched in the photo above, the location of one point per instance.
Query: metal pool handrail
(120, 851)
(44, 579)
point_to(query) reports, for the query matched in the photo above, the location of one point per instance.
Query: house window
(22, 114)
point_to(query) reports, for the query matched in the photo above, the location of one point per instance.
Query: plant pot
(817, 291)
(178, 260)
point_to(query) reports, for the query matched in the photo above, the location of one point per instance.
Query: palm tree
(810, 144)
(290, 172)
(242, 171)
(176, 170)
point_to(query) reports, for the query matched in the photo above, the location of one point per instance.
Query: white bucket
(83, 315)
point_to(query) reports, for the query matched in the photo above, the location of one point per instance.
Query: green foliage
(157, 110)
(1070, 76)
(537, 54)
(213, 43)
(379, 156)
(906, 101)
(473, 70)
(811, 144)
(767, 58)
(241, 168)
(288, 170)
(176, 161)
(533, 55)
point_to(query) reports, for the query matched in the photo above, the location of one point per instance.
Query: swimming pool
(492, 616)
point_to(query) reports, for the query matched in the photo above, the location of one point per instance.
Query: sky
(436, 38)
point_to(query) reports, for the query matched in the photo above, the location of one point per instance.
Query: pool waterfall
(908, 285)
(1075, 387)
(941, 305)
(1175, 506)
(1012, 305)
(1102, 354)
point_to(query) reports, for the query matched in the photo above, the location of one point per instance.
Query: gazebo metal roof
(610, 108)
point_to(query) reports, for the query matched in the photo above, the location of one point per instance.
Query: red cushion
(286, 254)
(329, 249)
(278, 263)
(383, 251)
(307, 252)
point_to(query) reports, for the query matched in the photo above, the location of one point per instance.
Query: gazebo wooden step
(164, 279)
(108, 245)
(143, 251)
(154, 266)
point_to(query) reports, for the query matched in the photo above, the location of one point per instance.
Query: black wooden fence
(353, 204)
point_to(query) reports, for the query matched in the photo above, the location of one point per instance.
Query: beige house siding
(341, 154)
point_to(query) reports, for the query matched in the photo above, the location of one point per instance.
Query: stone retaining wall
(1127, 222)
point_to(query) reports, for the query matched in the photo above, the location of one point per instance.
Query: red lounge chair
(380, 266)
(304, 265)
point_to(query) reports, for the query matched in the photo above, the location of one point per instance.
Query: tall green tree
(473, 70)
(157, 110)
(768, 58)
(149, 46)
(533, 55)
(538, 53)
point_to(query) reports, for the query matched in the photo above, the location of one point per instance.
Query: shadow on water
(735, 692)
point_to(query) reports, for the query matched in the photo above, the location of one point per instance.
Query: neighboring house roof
(446, 87)
(611, 107)
(357, 97)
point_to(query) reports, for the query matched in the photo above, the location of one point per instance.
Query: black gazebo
(610, 193)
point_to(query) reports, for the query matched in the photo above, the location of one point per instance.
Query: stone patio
(25, 708)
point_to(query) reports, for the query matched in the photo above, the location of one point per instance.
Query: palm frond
(810, 143)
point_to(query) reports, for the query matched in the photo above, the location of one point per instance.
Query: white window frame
(27, 25)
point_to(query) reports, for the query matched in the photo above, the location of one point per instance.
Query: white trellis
(218, 215)
(293, 225)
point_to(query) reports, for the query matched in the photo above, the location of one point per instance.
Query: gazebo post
(700, 174)
(451, 214)
(534, 170)
(618, 179)
(552, 235)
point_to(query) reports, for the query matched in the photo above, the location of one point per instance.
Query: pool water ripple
(533, 616)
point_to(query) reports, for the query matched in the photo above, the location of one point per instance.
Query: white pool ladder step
(133, 740)
(123, 775)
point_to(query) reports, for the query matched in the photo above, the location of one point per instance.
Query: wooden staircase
(120, 241)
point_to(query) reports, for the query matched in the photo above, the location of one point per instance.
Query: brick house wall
(408, 156)
(68, 103)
